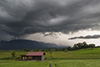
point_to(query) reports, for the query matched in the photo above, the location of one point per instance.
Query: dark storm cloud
(20, 17)
(86, 37)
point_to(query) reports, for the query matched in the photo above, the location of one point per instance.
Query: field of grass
(59, 63)
(79, 58)
(78, 54)
(78, 63)
(14, 63)
(6, 54)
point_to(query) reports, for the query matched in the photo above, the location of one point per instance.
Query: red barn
(33, 56)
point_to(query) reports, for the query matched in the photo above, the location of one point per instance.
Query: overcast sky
(62, 22)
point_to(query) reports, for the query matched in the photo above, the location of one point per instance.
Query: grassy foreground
(78, 58)
(78, 63)
(13, 63)
(59, 63)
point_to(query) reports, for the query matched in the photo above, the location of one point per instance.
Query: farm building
(33, 56)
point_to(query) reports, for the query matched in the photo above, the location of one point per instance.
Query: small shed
(39, 56)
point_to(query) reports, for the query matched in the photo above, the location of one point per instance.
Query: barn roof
(35, 54)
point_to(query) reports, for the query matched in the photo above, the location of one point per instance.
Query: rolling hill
(22, 44)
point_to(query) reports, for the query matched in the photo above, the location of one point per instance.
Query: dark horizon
(26, 44)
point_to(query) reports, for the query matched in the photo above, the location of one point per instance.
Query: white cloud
(63, 39)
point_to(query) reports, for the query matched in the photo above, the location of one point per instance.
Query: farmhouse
(33, 56)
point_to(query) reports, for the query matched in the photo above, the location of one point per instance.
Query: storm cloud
(21, 17)
(86, 37)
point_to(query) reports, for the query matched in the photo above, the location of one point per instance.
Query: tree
(13, 54)
(92, 46)
(69, 48)
(85, 45)
(80, 46)
(75, 47)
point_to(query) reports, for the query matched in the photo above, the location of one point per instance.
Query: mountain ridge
(26, 44)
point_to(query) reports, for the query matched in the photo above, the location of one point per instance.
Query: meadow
(78, 58)
(59, 63)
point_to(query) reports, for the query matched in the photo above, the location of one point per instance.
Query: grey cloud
(86, 37)
(6, 36)
(21, 17)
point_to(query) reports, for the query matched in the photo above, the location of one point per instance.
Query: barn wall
(42, 58)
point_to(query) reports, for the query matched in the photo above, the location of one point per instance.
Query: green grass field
(13, 63)
(78, 63)
(59, 63)
(80, 58)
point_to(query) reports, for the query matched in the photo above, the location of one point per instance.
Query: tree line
(77, 46)
(83, 45)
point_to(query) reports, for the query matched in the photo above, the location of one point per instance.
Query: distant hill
(29, 44)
